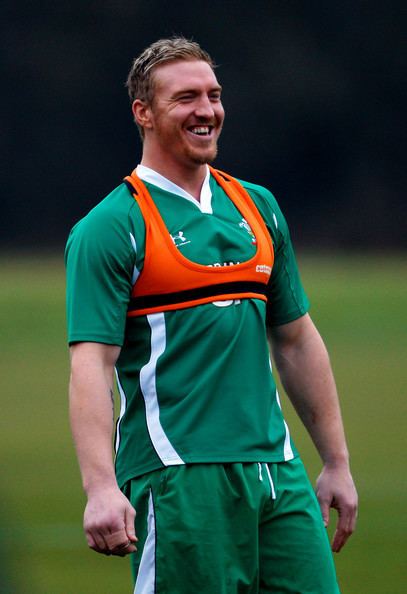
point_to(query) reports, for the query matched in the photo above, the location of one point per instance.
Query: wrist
(100, 484)
(336, 461)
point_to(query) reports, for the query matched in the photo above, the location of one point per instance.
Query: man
(174, 281)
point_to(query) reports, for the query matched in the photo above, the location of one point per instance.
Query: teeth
(200, 130)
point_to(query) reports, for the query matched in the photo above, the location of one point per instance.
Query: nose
(204, 107)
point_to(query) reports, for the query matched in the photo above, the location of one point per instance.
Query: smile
(200, 130)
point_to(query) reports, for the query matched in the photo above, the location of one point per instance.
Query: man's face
(186, 112)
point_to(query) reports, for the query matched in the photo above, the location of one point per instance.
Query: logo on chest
(179, 239)
(245, 225)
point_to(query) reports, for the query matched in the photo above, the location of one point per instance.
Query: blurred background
(314, 94)
(315, 97)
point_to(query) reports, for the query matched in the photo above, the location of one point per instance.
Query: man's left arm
(305, 371)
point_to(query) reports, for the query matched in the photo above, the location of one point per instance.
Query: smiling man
(183, 121)
(174, 281)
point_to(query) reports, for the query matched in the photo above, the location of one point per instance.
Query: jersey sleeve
(100, 260)
(287, 300)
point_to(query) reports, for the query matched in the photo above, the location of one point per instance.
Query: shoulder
(109, 228)
(259, 191)
(117, 215)
(114, 211)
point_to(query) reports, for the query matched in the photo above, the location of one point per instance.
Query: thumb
(129, 518)
(324, 505)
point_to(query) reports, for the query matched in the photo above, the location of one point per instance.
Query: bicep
(292, 332)
(296, 343)
(91, 359)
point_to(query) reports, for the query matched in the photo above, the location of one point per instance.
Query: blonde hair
(140, 81)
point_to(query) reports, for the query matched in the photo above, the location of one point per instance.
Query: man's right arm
(109, 516)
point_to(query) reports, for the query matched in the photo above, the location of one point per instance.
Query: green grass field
(360, 307)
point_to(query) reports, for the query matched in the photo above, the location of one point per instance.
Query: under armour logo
(179, 239)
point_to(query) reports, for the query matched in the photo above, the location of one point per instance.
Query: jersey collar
(204, 204)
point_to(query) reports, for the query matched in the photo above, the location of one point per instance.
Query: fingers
(129, 518)
(119, 544)
(335, 488)
(346, 526)
(111, 543)
(325, 506)
(347, 513)
(109, 525)
(97, 543)
(108, 542)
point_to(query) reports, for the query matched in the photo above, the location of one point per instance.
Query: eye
(214, 96)
(185, 98)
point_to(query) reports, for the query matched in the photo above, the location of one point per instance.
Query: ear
(142, 113)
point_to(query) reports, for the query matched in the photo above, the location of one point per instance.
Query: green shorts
(251, 528)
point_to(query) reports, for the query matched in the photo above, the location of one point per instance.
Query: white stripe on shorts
(145, 583)
(273, 491)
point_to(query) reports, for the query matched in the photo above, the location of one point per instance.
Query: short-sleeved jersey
(196, 384)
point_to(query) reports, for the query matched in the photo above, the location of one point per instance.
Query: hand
(335, 488)
(109, 523)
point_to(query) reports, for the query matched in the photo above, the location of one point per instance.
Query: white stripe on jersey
(160, 441)
(136, 272)
(288, 452)
(145, 583)
(123, 404)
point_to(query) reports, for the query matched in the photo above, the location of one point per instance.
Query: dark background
(314, 94)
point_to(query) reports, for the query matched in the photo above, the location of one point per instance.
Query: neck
(189, 179)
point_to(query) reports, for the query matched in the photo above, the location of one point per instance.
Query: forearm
(91, 415)
(305, 372)
(109, 516)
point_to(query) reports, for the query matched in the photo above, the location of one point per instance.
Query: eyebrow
(193, 91)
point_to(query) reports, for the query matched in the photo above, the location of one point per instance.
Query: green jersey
(196, 384)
